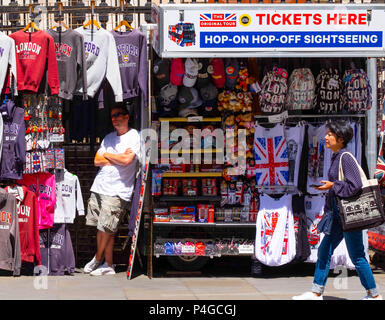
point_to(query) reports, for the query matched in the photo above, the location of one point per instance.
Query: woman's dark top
(352, 183)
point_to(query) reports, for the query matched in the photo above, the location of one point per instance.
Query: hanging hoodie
(7, 58)
(57, 253)
(131, 47)
(44, 186)
(28, 216)
(102, 62)
(71, 61)
(35, 50)
(13, 148)
(9, 234)
(69, 198)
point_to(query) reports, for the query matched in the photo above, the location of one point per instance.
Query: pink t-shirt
(46, 194)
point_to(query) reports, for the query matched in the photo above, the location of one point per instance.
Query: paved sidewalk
(273, 286)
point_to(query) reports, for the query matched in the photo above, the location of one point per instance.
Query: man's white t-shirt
(115, 180)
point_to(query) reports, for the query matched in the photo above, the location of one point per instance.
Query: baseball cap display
(177, 71)
(209, 92)
(185, 112)
(232, 70)
(209, 108)
(168, 93)
(209, 96)
(217, 71)
(161, 71)
(169, 110)
(189, 97)
(191, 72)
(203, 78)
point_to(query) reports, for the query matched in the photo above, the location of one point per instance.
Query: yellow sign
(245, 20)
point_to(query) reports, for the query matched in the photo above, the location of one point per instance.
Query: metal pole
(371, 127)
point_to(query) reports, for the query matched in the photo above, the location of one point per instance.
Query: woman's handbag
(380, 166)
(364, 210)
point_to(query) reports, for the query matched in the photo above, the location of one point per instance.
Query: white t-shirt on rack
(294, 140)
(115, 180)
(318, 159)
(68, 198)
(275, 237)
(314, 208)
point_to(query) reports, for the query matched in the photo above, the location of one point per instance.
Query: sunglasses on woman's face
(117, 114)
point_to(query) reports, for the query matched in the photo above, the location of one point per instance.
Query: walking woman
(338, 135)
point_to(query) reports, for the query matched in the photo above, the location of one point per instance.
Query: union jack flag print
(271, 160)
(218, 19)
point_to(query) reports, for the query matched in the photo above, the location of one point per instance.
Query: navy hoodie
(13, 151)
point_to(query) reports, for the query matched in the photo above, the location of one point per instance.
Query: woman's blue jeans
(355, 246)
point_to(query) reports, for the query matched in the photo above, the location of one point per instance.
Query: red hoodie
(33, 50)
(28, 216)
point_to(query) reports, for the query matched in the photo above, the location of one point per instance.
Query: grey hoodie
(71, 61)
(10, 258)
(57, 253)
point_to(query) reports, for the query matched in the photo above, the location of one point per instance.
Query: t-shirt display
(271, 156)
(294, 140)
(69, 197)
(275, 238)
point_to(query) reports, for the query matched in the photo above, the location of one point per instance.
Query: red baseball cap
(217, 71)
(177, 71)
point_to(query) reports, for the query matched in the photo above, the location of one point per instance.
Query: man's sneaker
(102, 270)
(307, 296)
(91, 266)
(379, 297)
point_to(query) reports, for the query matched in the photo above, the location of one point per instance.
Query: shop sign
(237, 28)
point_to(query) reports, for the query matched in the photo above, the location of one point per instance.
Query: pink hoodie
(46, 195)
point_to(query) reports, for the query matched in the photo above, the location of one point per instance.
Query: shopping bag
(364, 210)
(380, 166)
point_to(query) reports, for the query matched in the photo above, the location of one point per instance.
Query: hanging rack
(92, 22)
(123, 22)
(60, 18)
(31, 24)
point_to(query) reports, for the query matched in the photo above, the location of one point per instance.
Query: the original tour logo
(218, 20)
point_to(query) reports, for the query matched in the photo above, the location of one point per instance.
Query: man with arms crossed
(112, 189)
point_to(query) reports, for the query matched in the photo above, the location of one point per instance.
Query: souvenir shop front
(242, 98)
(57, 87)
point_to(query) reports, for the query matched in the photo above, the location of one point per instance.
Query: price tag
(55, 137)
(195, 119)
(188, 249)
(246, 248)
(278, 117)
